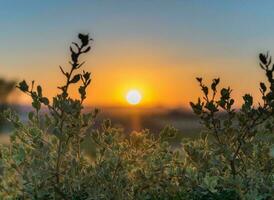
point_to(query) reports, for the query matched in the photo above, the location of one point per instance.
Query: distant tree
(6, 87)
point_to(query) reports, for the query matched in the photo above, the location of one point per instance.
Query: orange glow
(162, 78)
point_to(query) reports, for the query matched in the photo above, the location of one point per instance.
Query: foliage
(232, 159)
(242, 141)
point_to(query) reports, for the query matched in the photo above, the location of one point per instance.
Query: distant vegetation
(232, 159)
(6, 87)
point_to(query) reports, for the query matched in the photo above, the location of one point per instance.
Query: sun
(133, 97)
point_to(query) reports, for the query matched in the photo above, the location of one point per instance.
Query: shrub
(45, 160)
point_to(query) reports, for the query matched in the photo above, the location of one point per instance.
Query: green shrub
(233, 158)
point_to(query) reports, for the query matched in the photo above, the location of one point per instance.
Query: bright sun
(133, 97)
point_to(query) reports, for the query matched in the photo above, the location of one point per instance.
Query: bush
(233, 158)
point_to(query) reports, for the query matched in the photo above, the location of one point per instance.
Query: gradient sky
(158, 47)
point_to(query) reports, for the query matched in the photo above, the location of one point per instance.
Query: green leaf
(45, 100)
(205, 90)
(31, 115)
(76, 78)
(84, 39)
(23, 86)
(210, 182)
(199, 79)
(86, 76)
(211, 106)
(272, 152)
(39, 91)
(263, 87)
(19, 156)
(168, 132)
(82, 91)
(86, 50)
(36, 104)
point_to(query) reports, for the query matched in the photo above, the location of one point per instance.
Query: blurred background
(155, 47)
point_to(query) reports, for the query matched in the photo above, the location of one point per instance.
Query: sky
(156, 47)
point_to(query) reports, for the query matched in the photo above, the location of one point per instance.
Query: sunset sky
(156, 47)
